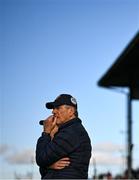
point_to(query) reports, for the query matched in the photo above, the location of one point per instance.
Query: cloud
(13, 156)
(108, 147)
(4, 149)
(106, 159)
(108, 154)
(24, 157)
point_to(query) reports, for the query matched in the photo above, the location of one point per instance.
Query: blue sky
(49, 47)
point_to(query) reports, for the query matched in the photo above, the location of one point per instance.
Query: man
(64, 149)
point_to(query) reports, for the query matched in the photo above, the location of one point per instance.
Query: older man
(64, 149)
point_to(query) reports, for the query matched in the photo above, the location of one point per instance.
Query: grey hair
(75, 110)
(76, 113)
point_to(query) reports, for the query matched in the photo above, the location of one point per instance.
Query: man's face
(63, 113)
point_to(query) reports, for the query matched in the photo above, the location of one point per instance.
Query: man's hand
(61, 164)
(49, 124)
(53, 131)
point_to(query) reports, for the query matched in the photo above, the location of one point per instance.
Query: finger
(60, 167)
(49, 118)
(66, 159)
(63, 163)
(54, 120)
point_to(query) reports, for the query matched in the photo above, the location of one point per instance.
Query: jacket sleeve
(48, 152)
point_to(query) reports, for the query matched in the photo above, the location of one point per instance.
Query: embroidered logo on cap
(73, 100)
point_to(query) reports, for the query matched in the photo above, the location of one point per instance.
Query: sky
(50, 47)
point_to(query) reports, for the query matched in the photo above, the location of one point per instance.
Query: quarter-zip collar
(70, 122)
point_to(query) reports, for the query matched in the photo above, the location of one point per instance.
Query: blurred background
(50, 47)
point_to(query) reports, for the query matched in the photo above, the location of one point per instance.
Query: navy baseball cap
(63, 99)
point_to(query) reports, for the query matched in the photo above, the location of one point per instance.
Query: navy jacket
(70, 141)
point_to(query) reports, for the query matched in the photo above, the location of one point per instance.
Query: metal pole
(95, 168)
(129, 136)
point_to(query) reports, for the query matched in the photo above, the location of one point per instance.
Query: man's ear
(71, 110)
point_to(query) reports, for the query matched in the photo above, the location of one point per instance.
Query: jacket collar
(70, 122)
